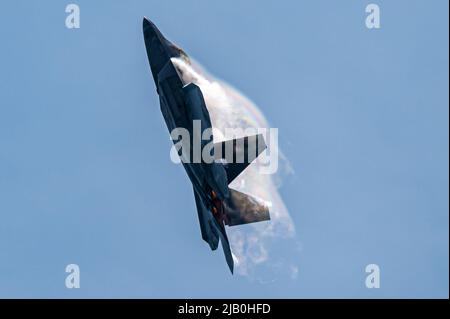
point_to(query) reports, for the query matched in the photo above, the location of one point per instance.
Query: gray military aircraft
(181, 105)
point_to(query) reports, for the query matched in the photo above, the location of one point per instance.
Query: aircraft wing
(239, 153)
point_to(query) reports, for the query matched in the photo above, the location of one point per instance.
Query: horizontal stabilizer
(239, 153)
(241, 208)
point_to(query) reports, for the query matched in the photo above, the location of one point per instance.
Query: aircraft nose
(148, 27)
(158, 49)
(146, 22)
(154, 37)
(151, 33)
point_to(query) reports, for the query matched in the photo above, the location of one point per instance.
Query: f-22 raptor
(181, 105)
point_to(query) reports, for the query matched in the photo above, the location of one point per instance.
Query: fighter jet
(182, 104)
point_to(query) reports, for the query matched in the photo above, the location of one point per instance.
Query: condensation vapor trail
(255, 246)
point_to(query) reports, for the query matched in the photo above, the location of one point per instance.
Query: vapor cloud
(255, 246)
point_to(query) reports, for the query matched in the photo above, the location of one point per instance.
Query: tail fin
(212, 231)
(225, 243)
(241, 208)
(239, 153)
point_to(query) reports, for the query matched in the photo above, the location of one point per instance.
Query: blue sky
(85, 174)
